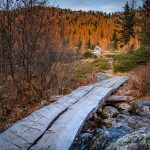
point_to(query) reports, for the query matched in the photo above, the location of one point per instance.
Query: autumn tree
(102, 35)
(30, 58)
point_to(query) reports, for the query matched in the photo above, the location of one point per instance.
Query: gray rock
(101, 76)
(44, 102)
(137, 140)
(86, 136)
(55, 97)
(142, 108)
(81, 140)
(125, 107)
(109, 112)
(109, 122)
(95, 116)
(103, 137)
(117, 131)
(135, 122)
(99, 110)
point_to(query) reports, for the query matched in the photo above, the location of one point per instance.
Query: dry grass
(141, 81)
(67, 78)
(62, 81)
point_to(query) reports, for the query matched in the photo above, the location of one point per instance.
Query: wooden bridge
(55, 126)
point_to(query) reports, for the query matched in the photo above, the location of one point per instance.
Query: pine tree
(146, 23)
(79, 45)
(127, 25)
(115, 40)
(89, 44)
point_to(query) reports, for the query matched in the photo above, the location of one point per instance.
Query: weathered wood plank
(25, 132)
(118, 99)
(29, 130)
(62, 133)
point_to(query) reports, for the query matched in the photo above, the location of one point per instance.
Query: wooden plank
(118, 99)
(121, 81)
(116, 82)
(61, 134)
(27, 131)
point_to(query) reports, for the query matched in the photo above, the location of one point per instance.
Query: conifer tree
(115, 40)
(89, 44)
(146, 23)
(79, 45)
(127, 25)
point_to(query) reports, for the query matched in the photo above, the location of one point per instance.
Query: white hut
(97, 50)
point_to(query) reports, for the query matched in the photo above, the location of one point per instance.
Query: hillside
(79, 30)
(87, 29)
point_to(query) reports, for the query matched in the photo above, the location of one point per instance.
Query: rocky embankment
(121, 124)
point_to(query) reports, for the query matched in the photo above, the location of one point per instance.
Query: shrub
(127, 62)
(101, 64)
(89, 54)
(142, 80)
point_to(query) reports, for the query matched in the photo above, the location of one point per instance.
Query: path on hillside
(109, 54)
(55, 126)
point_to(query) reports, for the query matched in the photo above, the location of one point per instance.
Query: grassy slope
(129, 61)
(137, 64)
(86, 70)
(98, 65)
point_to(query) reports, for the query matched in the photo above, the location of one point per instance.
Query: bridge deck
(55, 126)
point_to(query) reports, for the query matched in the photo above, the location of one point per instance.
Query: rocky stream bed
(117, 126)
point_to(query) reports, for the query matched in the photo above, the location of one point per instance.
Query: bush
(101, 64)
(142, 82)
(126, 62)
(89, 54)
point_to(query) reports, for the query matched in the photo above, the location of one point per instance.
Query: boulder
(101, 76)
(142, 108)
(44, 102)
(109, 112)
(124, 107)
(79, 143)
(137, 140)
(55, 97)
(134, 122)
(86, 136)
(100, 139)
(109, 122)
(103, 137)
